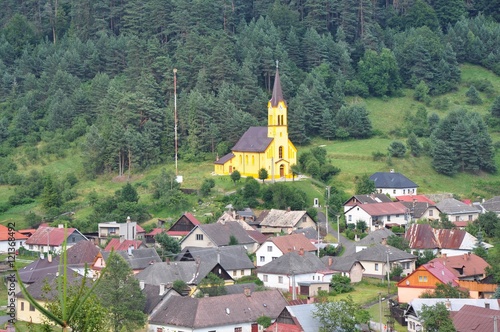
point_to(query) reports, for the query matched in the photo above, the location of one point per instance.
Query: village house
(296, 318)
(424, 279)
(284, 221)
(287, 271)
(121, 244)
(378, 215)
(10, 240)
(225, 313)
(126, 230)
(219, 235)
(378, 260)
(458, 212)
(234, 259)
(346, 266)
(467, 314)
(366, 199)
(491, 205)
(156, 295)
(393, 184)
(50, 239)
(183, 226)
(450, 242)
(137, 259)
(264, 147)
(276, 246)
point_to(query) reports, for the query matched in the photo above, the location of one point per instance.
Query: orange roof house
(425, 278)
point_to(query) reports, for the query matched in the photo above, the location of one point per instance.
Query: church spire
(277, 92)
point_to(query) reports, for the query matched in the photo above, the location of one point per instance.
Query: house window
(274, 258)
(199, 237)
(253, 160)
(238, 329)
(159, 329)
(280, 279)
(22, 306)
(32, 308)
(404, 192)
(235, 273)
(470, 217)
(269, 248)
(422, 278)
(31, 247)
(280, 152)
(265, 277)
(242, 272)
(73, 239)
(397, 215)
(394, 191)
(457, 218)
(388, 218)
(262, 259)
(431, 213)
(349, 217)
(376, 266)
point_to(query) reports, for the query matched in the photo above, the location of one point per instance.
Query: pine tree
(414, 145)
(495, 108)
(473, 97)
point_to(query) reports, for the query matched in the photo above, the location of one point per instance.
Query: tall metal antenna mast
(175, 118)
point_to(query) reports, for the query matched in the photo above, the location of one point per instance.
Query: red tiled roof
(441, 272)
(192, 218)
(416, 198)
(472, 265)
(257, 236)
(293, 242)
(384, 209)
(4, 234)
(155, 231)
(27, 231)
(473, 318)
(460, 224)
(139, 229)
(54, 236)
(122, 246)
(178, 233)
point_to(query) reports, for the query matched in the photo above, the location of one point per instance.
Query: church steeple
(277, 92)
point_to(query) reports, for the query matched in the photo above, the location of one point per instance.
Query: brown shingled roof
(473, 318)
(469, 264)
(293, 242)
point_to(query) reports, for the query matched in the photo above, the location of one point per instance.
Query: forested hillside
(97, 76)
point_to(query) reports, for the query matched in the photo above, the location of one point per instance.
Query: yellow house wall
(26, 315)
(248, 163)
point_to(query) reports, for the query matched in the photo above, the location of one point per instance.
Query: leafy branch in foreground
(67, 310)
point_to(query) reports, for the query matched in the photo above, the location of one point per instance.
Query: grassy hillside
(354, 157)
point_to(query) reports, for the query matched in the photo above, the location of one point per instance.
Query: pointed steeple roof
(277, 92)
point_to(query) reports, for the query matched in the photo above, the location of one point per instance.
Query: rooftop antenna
(175, 118)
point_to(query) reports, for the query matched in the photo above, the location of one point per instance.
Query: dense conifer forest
(99, 73)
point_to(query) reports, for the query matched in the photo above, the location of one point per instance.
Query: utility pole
(388, 268)
(326, 206)
(338, 229)
(175, 118)
(380, 310)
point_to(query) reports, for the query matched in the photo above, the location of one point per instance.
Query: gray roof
(255, 139)
(139, 259)
(453, 206)
(308, 232)
(392, 180)
(372, 238)
(493, 204)
(47, 287)
(230, 257)
(282, 218)
(277, 91)
(222, 310)
(240, 288)
(340, 264)
(220, 234)
(373, 198)
(304, 313)
(225, 158)
(417, 209)
(164, 272)
(378, 253)
(293, 261)
(416, 304)
(153, 296)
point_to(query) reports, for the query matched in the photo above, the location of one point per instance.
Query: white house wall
(358, 214)
(273, 280)
(5, 245)
(191, 240)
(397, 192)
(237, 274)
(269, 251)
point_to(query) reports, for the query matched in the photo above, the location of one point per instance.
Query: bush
(340, 284)
(397, 149)
(378, 156)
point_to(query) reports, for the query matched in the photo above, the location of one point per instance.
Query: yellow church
(264, 147)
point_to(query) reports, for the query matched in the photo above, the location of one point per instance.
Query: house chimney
(310, 299)
(445, 255)
(128, 219)
(466, 256)
(141, 284)
(447, 303)
(301, 251)
(384, 241)
(330, 261)
(49, 258)
(431, 263)
(247, 291)
(129, 250)
(162, 288)
(288, 209)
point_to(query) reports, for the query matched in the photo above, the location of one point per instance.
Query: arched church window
(280, 152)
